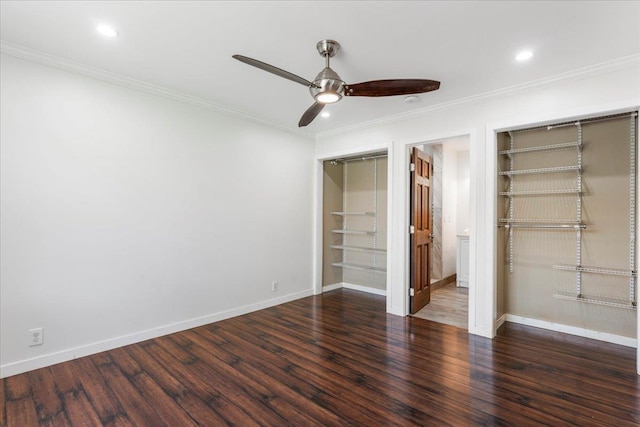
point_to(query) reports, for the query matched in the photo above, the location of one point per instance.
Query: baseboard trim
(22, 366)
(367, 289)
(444, 282)
(501, 321)
(573, 330)
(332, 287)
(354, 287)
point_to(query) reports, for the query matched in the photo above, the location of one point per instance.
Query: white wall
(449, 209)
(462, 192)
(455, 197)
(605, 88)
(126, 216)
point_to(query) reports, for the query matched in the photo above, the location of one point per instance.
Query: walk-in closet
(567, 226)
(355, 223)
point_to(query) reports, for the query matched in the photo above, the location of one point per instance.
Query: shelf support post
(511, 186)
(345, 209)
(375, 209)
(579, 214)
(632, 210)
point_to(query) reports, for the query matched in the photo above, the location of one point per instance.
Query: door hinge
(412, 229)
(411, 292)
(412, 167)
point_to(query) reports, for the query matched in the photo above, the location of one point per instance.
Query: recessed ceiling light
(411, 99)
(325, 114)
(524, 55)
(106, 30)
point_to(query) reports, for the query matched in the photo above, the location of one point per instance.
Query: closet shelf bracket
(541, 170)
(596, 270)
(541, 148)
(354, 213)
(540, 192)
(613, 302)
(358, 248)
(355, 232)
(359, 267)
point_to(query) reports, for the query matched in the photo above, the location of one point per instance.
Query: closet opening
(354, 223)
(566, 239)
(440, 268)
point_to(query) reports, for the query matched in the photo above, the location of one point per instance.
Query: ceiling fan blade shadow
(311, 113)
(271, 69)
(391, 87)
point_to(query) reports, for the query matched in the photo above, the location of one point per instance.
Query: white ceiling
(186, 46)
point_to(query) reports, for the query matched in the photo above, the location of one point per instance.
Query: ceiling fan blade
(391, 87)
(311, 113)
(271, 69)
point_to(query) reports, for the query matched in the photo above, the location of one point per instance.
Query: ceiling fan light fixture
(328, 97)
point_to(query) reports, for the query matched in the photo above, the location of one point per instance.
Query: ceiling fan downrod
(327, 87)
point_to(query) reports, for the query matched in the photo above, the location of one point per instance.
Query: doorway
(450, 216)
(354, 223)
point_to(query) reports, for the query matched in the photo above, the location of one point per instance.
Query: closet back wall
(367, 191)
(125, 215)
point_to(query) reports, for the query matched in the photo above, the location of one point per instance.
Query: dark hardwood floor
(335, 359)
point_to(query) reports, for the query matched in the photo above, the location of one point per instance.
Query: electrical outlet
(274, 286)
(36, 336)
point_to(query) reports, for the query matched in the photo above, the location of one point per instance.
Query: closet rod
(575, 122)
(359, 159)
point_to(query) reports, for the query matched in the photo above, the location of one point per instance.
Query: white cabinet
(462, 261)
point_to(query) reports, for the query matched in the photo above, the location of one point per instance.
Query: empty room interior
(319, 213)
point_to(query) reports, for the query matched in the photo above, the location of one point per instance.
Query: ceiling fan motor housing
(327, 82)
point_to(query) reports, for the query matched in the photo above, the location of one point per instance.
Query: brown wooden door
(421, 222)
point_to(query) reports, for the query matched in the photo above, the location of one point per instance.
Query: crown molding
(120, 80)
(117, 79)
(590, 71)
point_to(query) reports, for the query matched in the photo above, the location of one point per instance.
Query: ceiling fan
(328, 87)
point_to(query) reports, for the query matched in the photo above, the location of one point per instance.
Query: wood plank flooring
(449, 305)
(335, 360)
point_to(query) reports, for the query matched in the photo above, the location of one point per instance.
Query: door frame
(472, 176)
(398, 281)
